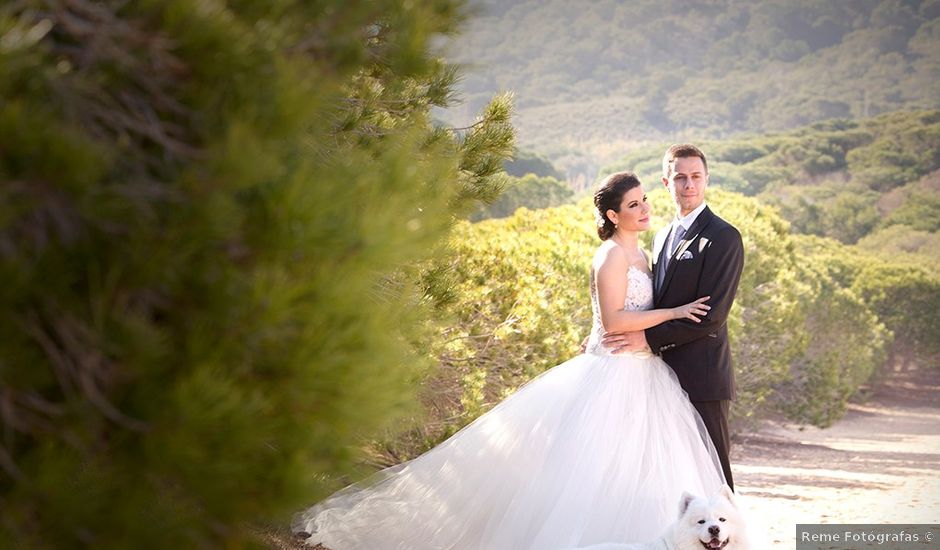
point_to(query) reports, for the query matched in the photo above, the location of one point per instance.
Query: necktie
(677, 237)
(673, 245)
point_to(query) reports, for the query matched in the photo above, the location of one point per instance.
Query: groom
(698, 254)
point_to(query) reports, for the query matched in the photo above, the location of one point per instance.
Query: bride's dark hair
(608, 197)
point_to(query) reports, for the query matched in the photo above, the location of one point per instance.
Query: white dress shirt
(686, 222)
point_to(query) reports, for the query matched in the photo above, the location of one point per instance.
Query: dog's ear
(726, 492)
(684, 502)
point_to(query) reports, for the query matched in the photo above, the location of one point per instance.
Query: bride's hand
(692, 309)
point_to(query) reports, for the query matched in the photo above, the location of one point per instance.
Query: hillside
(595, 78)
(872, 181)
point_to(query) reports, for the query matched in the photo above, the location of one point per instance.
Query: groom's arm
(721, 273)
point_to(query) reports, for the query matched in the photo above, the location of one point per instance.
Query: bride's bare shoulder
(609, 252)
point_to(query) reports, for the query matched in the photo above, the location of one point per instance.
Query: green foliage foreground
(210, 213)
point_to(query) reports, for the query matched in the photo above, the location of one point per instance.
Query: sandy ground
(879, 464)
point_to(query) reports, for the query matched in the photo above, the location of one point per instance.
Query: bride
(597, 449)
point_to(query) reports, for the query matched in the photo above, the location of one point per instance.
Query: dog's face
(709, 523)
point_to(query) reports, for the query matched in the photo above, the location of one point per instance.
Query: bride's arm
(611, 280)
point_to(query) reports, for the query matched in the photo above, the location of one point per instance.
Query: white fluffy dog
(704, 524)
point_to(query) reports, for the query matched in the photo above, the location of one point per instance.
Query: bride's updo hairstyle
(608, 197)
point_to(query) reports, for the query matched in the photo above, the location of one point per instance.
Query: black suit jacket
(708, 262)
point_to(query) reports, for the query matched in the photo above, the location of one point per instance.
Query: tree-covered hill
(875, 182)
(594, 76)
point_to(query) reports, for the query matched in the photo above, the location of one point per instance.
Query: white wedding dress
(597, 449)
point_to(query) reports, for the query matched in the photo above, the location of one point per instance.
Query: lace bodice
(639, 298)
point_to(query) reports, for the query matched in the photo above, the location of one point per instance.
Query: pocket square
(687, 255)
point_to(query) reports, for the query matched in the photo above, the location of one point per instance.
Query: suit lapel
(659, 246)
(700, 223)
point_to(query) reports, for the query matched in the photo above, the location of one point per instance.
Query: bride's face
(634, 212)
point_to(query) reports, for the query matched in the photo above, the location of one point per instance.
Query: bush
(738, 152)
(908, 148)
(521, 305)
(530, 191)
(763, 176)
(531, 163)
(208, 225)
(845, 344)
(905, 298)
(728, 177)
(920, 211)
(904, 243)
(832, 209)
(902, 290)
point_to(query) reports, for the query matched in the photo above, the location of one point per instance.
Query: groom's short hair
(678, 151)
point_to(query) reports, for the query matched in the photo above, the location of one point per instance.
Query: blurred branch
(90, 39)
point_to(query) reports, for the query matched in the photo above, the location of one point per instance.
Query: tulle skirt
(597, 449)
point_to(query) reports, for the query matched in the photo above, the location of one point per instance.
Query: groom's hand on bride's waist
(625, 342)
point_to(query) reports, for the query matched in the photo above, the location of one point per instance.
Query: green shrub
(530, 191)
(209, 221)
(845, 344)
(521, 305)
(905, 298)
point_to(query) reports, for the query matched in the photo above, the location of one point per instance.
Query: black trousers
(715, 416)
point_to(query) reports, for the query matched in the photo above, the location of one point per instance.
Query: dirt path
(879, 464)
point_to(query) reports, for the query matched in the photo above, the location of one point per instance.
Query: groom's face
(686, 183)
